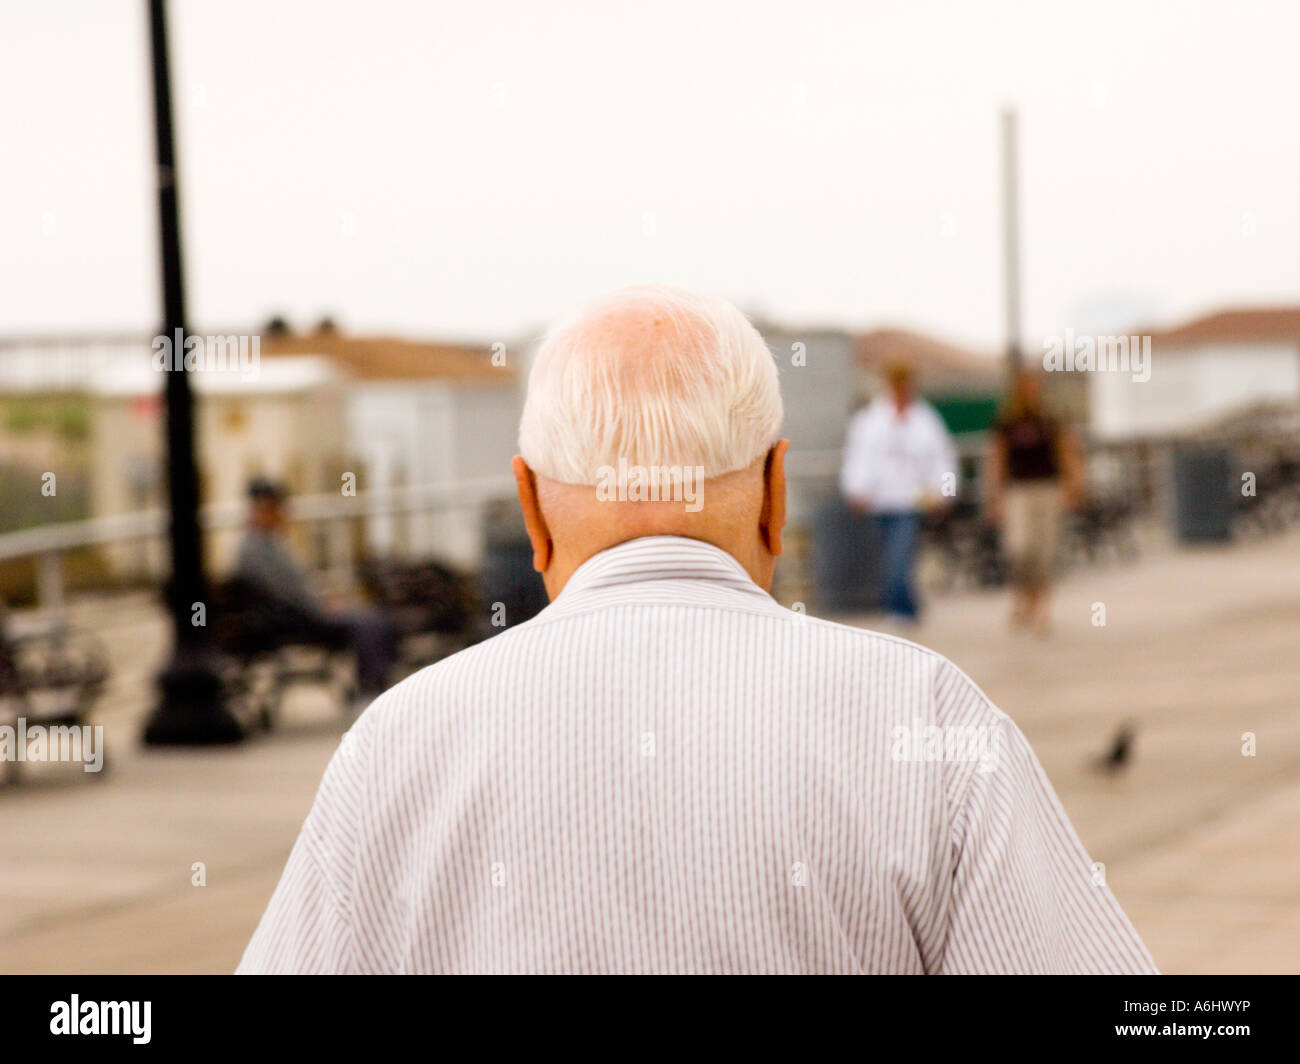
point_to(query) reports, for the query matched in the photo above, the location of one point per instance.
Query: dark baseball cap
(264, 488)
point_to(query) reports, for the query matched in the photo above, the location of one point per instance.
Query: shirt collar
(650, 558)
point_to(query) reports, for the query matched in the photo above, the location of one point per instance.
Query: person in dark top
(265, 563)
(1034, 473)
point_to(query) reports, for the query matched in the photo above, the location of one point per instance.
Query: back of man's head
(654, 377)
(651, 411)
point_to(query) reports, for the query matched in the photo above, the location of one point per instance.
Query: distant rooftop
(1240, 325)
(389, 358)
(885, 347)
(281, 376)
(122, 363)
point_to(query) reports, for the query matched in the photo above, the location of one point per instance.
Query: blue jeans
(897, 534)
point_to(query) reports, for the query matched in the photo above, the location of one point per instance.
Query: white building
(422, 414)
(281, 418)
(1200, 372)
(314, 409)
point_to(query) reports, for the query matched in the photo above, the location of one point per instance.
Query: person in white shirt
(898, 462)
(665, 771)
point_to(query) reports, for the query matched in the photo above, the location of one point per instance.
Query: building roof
(121, 366)
(885, 347)
(1240, 325)
(81, 363)
(285, 376)
(387, 358)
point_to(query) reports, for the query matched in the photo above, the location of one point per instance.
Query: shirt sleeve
(1026, 898)
(307, 927)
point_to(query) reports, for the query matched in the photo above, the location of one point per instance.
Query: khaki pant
(1031, 529)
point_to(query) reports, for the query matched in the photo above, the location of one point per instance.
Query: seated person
(265, 564)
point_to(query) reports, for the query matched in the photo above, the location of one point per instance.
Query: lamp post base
(192, 709)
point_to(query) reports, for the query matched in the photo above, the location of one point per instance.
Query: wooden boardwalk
(1200, 843)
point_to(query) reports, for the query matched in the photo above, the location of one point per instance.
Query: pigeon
(1120, 752)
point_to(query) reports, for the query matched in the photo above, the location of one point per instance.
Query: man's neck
(565, 562)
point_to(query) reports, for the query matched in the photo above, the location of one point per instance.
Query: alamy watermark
(55, 742)
(209, 354)
(923, 743)
(1067, 353)
(76, 1017)
(637, 483)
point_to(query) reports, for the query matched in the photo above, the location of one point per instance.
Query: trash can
(507, 575)
(1203, 502)
(845, 557)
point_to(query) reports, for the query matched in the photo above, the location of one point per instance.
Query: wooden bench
(49, 679)
(269, 648)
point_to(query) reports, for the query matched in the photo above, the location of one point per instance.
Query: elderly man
(665, 770)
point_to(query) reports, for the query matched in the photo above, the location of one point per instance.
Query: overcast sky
(469, 169)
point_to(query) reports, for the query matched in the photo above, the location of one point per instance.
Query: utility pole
(1011, 236)
(191, 710)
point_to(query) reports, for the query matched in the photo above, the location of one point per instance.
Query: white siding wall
(1191, 387)
(430, 433)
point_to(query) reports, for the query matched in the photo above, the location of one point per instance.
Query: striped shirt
(667, 771)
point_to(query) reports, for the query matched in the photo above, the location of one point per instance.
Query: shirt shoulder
(863, 419)
(930, 416)
(940, 688)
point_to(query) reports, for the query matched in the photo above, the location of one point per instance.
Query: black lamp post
(192, 710)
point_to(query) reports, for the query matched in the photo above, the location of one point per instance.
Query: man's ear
(538, 534)
(772, 519)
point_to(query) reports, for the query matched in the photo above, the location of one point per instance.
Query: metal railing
(49, 543)
(810, 475)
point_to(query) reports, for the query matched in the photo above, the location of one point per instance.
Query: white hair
(653, 376)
